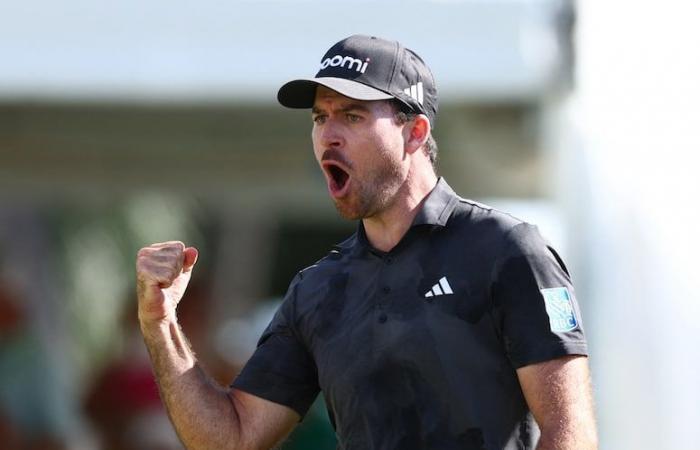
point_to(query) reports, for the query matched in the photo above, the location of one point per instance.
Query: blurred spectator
(12, 438)
(236, 341)
(123, 402)
(23, 425)
(198, 322)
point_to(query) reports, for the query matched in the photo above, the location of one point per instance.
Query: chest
(383, 318)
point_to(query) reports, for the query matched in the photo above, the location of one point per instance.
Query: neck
(385, 229)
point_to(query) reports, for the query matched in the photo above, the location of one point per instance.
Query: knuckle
(140, 266)
(141, 254)
(146, 252)
(143, 274)
(169, 244)
(160, 262)
(169, 250)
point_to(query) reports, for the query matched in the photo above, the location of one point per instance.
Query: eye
(319, 119)
(353, 118)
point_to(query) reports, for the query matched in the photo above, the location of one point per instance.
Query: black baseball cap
(369, 68)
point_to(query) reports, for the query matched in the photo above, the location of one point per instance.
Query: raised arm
(560, 397)
(205, 415)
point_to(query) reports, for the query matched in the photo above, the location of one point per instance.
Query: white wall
(232, 49)
(632, 140)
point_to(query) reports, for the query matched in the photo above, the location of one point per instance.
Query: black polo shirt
(417, 348)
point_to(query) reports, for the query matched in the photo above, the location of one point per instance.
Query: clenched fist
(162, 273)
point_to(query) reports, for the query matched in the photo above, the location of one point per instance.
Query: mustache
(335, 155)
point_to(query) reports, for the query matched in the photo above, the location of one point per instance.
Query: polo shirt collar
(438, 205)
(435, 210)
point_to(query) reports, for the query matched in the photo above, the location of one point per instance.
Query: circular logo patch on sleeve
(560, 309)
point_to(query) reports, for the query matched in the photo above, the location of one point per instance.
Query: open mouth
(338, 178)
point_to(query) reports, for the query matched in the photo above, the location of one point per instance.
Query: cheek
(389, 145)
(315, 142)
(389, 135)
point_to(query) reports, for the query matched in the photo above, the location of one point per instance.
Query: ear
(418, 131)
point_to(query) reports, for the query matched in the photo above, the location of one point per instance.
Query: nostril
(331, 140)
(330, 137)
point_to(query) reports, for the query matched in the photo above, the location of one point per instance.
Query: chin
(348, 213)
(351, 208)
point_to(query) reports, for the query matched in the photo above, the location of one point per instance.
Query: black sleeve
(534, 301)
(281, 369)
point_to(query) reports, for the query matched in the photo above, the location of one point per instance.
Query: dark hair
(405, 115)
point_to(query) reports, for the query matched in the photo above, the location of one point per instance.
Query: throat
(385, 229)
(384, 236)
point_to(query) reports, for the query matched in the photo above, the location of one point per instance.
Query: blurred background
(126, 123)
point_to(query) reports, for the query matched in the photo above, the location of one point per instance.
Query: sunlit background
(126, 123)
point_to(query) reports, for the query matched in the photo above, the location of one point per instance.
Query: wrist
(165, 339)
(161, 325)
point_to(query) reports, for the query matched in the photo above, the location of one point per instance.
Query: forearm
(201, 411)
(571, 428)
(560, 396)
(562, 439)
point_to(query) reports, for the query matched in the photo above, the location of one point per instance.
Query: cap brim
(302, 93)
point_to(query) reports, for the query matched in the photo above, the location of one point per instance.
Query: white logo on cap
(415, 91)
(339, 60)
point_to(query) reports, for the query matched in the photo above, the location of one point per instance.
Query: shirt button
(389, 260)
(382, 318)
(386, 289)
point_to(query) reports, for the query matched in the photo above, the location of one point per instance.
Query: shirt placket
(385, 289)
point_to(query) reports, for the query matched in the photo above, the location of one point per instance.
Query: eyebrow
(347, 108)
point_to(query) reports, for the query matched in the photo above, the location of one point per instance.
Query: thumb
(190, 255)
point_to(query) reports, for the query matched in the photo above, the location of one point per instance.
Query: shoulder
(334, 261)
(311, 285)
(484, 222)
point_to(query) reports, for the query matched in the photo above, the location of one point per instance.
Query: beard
(373, 191)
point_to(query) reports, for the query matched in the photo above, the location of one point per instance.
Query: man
(440, 324)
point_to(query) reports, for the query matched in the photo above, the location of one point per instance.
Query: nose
(331, 135)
